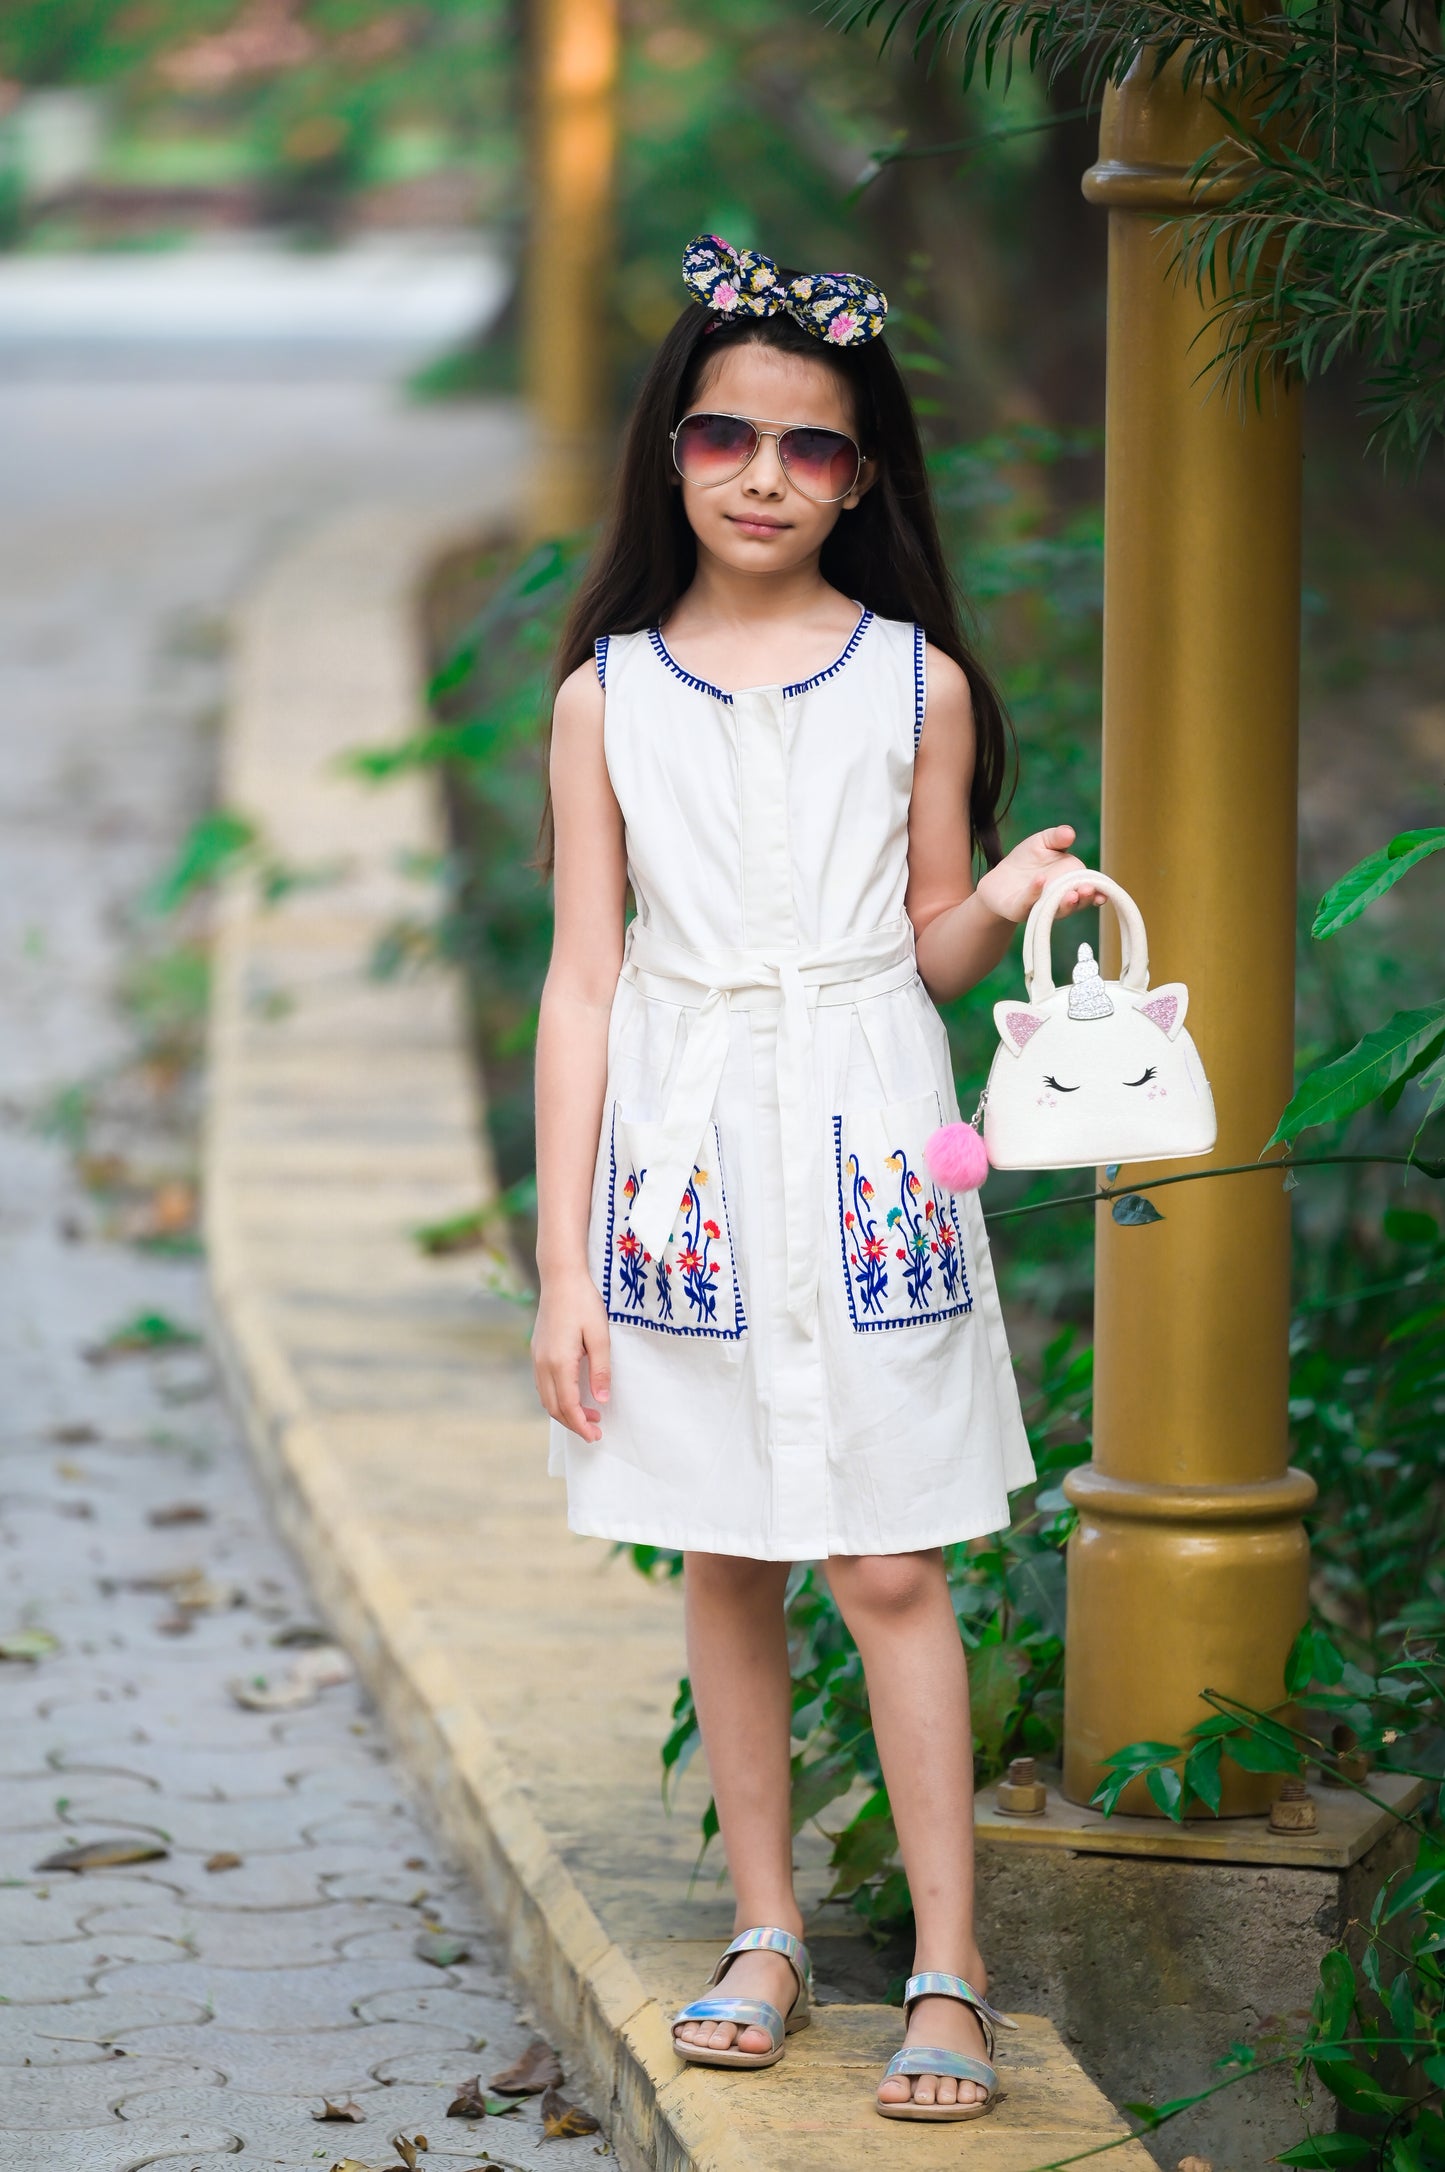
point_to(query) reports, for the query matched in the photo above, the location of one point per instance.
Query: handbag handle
(1038, 958)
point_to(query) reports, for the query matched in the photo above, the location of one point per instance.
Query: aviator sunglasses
(711, 449)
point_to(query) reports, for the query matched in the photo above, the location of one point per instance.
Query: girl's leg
(898, 1608)
(737, 1655)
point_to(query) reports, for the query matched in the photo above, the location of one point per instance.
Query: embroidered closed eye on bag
(1095, 1072)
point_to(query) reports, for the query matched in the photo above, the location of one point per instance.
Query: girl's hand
(572, 1323)
(1010, 890)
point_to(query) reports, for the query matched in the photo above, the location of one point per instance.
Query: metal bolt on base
(1293, 1810)
(1021, 1793)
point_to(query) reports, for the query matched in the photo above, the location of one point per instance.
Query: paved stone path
(183, 2009)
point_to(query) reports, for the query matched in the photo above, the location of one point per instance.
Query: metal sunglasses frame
(777, 431)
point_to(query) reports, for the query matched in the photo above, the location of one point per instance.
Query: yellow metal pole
(575, 50)
(1189, 1566)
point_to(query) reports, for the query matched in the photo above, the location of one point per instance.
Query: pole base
(1161, 1579)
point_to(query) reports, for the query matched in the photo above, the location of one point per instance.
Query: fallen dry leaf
(176, 1625)
(472, 2101)
(536, 2069)
(223, 1859)
(257, 1693)
(198, 1595)
(408, 2151)
(561, 2120)
(304, 1679)
(1195, 2164)
(28, 1644)
(324, 1666)
(73, 1436)
(174, 1512)
(442, 1948)
(102, 1172)
(105, 1855)
(330, 2111)
(414, 1862)
(299, 1635)
(188, 1588)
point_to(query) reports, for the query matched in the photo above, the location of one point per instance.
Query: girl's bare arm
(961, 930)
(590, 889)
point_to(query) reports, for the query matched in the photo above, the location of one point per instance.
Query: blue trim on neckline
(800, 686)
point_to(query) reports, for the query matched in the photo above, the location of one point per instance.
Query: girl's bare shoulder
(950, 702)
(580, 703)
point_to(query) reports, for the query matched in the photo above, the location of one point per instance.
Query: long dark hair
(885, 554)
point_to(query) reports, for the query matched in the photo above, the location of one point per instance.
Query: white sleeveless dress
(808, 1356)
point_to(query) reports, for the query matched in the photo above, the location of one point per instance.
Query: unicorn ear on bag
(1016, 1024)
(1165, 1008)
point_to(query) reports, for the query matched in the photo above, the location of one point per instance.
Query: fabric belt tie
(845, 971)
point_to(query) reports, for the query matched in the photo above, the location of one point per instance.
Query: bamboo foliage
(1329, 237)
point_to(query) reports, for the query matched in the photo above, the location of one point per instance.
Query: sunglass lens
(712, 448)
(823, 463)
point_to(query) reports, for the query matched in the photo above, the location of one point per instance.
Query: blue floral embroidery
(916, 1231)
(695, 1262)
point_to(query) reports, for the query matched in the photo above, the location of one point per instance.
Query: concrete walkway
(526, 1674)
(194, 2009)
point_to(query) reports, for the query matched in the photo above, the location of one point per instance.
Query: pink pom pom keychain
(956, 1155)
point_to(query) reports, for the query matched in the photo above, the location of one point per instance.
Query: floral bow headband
(839, 307)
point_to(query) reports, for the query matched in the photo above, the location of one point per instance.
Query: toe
(754, 2039)
(947, 2089)
(896, 2089)
(925, 2089)
(722, 2036)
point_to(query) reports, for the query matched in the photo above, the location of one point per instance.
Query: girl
(770, 727)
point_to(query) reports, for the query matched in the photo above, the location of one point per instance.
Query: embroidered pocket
(903, 1262)
(693, 1289)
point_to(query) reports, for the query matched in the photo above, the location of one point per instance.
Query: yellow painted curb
(525, 1679)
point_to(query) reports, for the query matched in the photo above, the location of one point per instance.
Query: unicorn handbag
(1100, 1071)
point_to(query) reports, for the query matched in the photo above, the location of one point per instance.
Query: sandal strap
(935, 1983)
(930, 2059)
(767, 1938)
(742, 2013)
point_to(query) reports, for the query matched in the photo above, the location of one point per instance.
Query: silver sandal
(930, 2059)
(751, 2013)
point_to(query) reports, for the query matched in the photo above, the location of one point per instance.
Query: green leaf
(1336, 1998)
(1422, 1889)
(1138, 1756)
(862, 1850)
(1323, 2150)
(1353, 2085)
(1313, 1658)
(1361, 1076)
(1202, 1775)
(994, 1674)
(1371, 878)
(818, 1784)
(1262, 1752)
(1405, 1225)
(214, 844)
(1134, 1211)
(1167, 1790)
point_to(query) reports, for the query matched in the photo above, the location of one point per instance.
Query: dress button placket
(799, 1457)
